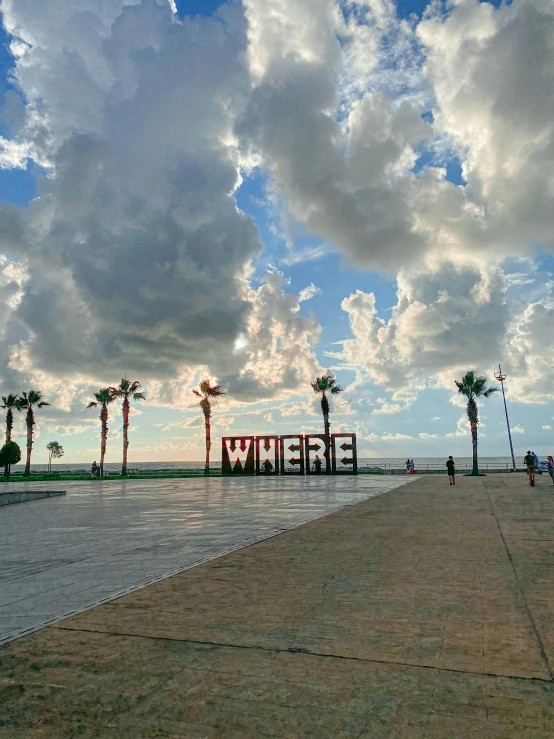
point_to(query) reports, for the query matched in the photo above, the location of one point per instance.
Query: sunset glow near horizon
(264, 191)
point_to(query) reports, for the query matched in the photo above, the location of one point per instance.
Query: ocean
(462, 463)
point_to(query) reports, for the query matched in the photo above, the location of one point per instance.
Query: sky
(261, 192)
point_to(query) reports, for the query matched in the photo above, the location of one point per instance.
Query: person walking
(551, 468)
(95, 470)
(408, 463)
(451, 469)
(317, 465)
(529, 460)
(268, 467)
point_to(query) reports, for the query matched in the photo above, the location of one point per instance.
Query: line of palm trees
(127, 390)
(472, 386)
(24, 402)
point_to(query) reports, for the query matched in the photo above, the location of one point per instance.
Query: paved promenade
(107, 538)
(424, 613)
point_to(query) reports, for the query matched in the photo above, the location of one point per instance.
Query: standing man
(529, 460)
(451, 469)
(317, 465)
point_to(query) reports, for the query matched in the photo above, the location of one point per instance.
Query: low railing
(391, 469)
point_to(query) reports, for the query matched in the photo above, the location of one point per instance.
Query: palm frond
(92, 404)
(325, 384)
(9, 401)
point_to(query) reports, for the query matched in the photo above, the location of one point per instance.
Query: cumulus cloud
(492, 72)
(517, 429)
(433, 326)
(137, 253)
(462, 429)
(135, 256)
(308, 292)
(387, 409)
(349, 182)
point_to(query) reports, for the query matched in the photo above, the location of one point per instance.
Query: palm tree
(474, 387)
(103, 397)
(128, 391)
(29, 402)
(322, 386)
(9, 402)
(206, 392)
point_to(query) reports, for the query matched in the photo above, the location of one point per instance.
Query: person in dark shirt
(268, 467)
(317, 465)
(95, 470)
(451, 469)
(529, 460)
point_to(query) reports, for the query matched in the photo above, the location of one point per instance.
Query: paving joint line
(299, 651)
(520, 588)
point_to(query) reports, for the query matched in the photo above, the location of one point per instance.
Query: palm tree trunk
(9, 424)
(475, 470)
(208, 445)
(327, 433)
(104, 419)
(30, 424)
(125, 435)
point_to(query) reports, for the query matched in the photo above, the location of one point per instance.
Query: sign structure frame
(306, 443)
(277, 450)
(299, 448)
(325, 462)
(345, 447)
(228, 445)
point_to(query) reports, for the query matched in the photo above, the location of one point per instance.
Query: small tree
(9, 454)
(55, 451)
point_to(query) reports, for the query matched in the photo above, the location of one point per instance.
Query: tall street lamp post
(500, 377)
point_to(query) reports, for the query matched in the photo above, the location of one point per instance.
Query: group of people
(410, 466)
(316, 466)
(532, 462)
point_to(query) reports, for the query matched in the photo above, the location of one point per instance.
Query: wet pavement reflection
(61, 556)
